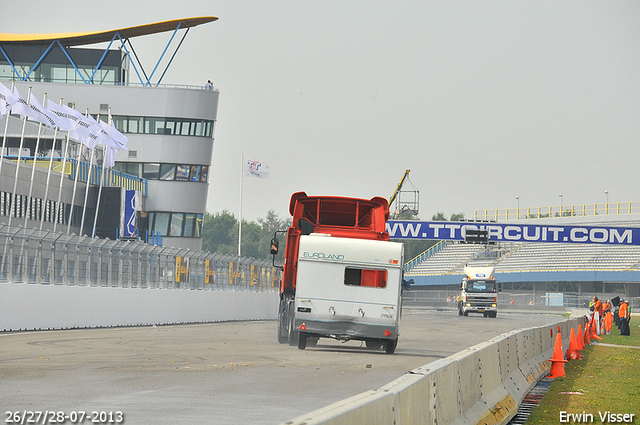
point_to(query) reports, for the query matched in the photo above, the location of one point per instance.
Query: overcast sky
(482, 100)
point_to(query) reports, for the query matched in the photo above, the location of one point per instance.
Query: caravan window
(365, 277)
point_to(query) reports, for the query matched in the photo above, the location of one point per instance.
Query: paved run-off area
(220, 373)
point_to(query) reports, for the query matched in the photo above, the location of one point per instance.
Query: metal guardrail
(420, 258)
(113, 178)
(43, 257)
(446, 298)
(581, 210)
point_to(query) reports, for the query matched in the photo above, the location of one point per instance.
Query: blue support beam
(46, 52)
(163, 53)
(145, 81)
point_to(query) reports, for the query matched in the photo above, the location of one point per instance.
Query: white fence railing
(43, 257)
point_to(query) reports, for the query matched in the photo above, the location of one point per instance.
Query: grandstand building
(170, 131)
(541, 267)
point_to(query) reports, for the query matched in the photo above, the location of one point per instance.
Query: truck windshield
(481, 286)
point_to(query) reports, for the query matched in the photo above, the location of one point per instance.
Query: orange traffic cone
(580, 338)
(587, 332)
(573, 352)
(558, 361)
(594, 326)
(608, 321)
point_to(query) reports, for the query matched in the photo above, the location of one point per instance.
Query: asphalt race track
(220, 373)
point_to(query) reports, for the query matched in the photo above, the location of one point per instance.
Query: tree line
(220, 234)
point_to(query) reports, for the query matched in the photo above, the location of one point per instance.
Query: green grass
(606, 379)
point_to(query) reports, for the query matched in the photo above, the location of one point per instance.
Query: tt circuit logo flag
(255, 168)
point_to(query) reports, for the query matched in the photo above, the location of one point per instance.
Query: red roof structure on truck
(341, 216)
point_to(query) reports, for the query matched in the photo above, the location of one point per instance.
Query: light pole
(561, 205)
(606, 207)
(518, 214)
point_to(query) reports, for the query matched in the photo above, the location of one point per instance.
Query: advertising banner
(209, 272)
(182, 269)
(497, 232)
(131, 206)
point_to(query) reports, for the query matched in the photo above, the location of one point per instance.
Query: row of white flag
(83, 128)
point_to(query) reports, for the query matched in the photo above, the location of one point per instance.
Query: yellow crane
(408, 202)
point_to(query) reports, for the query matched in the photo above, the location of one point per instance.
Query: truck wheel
(294, 334)
(466, 313)
(459, 312)
(493, 314)
(283, 323)
(390, 346)
(302, 340)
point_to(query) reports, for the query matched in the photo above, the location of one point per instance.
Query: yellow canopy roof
(84, 38)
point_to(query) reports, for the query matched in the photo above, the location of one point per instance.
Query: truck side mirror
(274, 246)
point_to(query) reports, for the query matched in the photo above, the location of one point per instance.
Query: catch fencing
(48, 258)
(521, 300)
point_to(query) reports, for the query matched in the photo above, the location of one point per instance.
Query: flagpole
(14, 207)
(46, 190)
(4, 139)
(6, 128)
(75, 185)
(240, 221)
(86, 192)
(64, 165)
(102, 177)
(33, 168)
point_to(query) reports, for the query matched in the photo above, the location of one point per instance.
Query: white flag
(90, 131)
(117, 139)
(7, 100)
(21, 107)
(255, 168)
(43, 115)
(82, 127)
(110, 157)
(66, 120)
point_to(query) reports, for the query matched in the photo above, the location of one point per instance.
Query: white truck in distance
(478, 292)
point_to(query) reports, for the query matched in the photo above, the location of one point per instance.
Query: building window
(194, 174)
(177, 220)
(198, 228)
(131, 168)
(182, 172)
(161, 222)
(151, 171)
(188, 225)
(162, 125)
(157, 171)
(204, 174)
(167, 172)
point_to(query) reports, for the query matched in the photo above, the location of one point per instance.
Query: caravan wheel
(390, 346)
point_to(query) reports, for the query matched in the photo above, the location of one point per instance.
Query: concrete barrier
(482, 384)
(31, 307)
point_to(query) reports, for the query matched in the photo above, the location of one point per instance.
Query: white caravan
(348, 289)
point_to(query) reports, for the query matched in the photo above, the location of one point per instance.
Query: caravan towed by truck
(342, 277)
